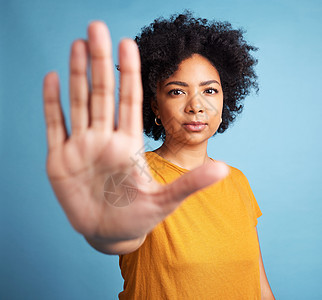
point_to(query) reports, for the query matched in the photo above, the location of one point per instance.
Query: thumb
(193, 181)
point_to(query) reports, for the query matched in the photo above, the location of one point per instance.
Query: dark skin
(78, 165)
(177, 103)
(193, 93)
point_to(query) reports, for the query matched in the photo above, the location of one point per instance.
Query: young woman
(189, 229)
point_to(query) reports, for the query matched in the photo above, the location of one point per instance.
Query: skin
(266, 291)
(183, 97)
(192, 93)
(79, 164)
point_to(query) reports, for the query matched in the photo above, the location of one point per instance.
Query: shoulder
(154, 161)
(149, 155)
(235, 172)
(237, 176)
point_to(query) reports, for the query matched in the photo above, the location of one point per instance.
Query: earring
(220, 120)
(156, 122)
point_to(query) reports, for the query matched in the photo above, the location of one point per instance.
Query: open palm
(80, 164)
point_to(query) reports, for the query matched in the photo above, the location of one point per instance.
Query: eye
(211, 91)
(175, 92)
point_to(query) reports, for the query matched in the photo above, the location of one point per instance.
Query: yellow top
(206, 249)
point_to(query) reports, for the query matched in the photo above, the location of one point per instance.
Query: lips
(195, 123)
(195, 126)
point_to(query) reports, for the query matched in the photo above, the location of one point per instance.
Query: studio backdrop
(276, 141)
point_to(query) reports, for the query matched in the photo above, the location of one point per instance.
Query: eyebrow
(203, 83)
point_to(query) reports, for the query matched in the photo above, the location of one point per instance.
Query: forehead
(196, 67)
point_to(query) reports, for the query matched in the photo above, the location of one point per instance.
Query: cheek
(214, 108)
(171, 110)
(171, 119)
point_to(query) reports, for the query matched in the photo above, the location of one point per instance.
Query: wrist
(115, 247)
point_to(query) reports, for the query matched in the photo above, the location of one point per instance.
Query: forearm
(266, 292)
(116, 248)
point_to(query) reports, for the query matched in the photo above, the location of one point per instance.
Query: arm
(83, 165)
(116, 248)
(266, 292)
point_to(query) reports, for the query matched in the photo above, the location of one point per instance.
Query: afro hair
(165, 43)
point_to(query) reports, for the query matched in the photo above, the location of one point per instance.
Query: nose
(195, 105)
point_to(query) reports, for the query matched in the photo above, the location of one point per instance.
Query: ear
(154, 106)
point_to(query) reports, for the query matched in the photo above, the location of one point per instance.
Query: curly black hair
(164, 44)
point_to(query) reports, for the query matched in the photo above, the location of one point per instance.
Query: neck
(187, 156)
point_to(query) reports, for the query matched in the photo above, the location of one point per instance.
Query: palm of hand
(79, 165)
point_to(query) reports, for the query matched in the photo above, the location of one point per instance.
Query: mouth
(195, 126)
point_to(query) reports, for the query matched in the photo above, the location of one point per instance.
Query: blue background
(276, 142)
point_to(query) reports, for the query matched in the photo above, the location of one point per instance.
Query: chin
(195, 138)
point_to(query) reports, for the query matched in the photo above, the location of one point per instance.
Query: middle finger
(103, 81)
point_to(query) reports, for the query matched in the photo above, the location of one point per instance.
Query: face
(189, 103)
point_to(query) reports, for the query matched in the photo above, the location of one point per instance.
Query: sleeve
(255, 207)
(250, 200)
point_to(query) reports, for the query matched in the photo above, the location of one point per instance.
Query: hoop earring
(155, 121)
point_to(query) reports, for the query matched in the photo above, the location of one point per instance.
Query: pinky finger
(55, 123)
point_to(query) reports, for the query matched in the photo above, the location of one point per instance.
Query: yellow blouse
(206, 249)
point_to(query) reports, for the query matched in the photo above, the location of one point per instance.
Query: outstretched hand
(79, 164)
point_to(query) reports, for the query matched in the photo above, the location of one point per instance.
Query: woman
(171, 246)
